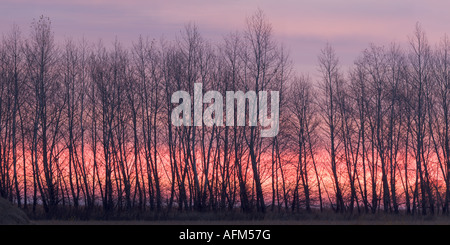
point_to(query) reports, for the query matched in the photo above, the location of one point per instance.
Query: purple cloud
(303, 26)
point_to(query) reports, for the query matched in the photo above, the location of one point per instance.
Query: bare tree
(41, 55)
(420, 60)
(330, 81)
(440, 120)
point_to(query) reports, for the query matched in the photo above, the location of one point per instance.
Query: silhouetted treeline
(85, 126)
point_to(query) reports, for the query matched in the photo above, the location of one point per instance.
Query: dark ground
(326, 218)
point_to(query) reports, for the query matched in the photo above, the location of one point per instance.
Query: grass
(235, 217)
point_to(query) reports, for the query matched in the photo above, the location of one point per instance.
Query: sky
(303, 26)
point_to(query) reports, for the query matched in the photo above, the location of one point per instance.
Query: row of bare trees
(84, 126)
(386, 125)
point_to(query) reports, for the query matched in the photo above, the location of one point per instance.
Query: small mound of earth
(11, 215)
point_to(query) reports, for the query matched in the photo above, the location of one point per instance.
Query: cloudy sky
(304, 26)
